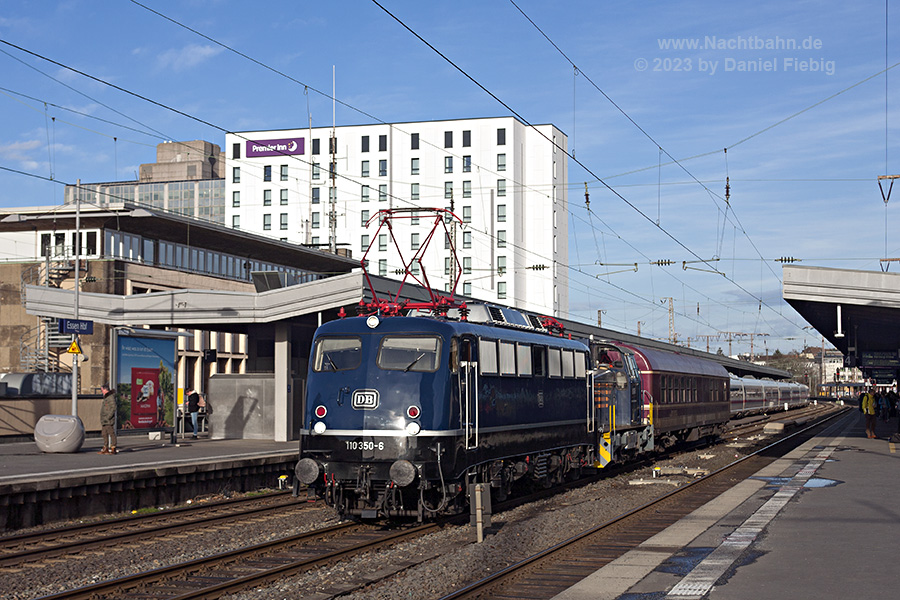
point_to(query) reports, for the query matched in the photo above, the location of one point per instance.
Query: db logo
(365, 399)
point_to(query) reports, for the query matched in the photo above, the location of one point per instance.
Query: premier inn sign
(280, 147)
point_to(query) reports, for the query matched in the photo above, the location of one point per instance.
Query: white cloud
(19, 151)
(181, 59)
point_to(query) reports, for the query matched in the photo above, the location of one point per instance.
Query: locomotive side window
(507, 358)
(580, 366)
(409, 353)
(539, 360)
(568, 364)
(454, 355)
(487, 357)
(337, 354)
(523, 358)
(554, 362)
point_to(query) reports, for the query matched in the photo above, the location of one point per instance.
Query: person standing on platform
(868, 406)
(193, 406)
(108, 420)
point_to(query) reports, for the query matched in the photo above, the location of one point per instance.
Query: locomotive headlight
(319, 428)
(413, 428)
(372, 322)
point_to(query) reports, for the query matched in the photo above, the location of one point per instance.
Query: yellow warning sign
(73, 348)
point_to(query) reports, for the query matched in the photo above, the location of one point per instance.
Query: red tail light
(320, 412)
(413, 412)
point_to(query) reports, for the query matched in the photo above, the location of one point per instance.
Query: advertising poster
(145, 382)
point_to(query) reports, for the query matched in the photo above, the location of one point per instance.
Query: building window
(414, 141)
(235, 175)
(284, 172)
(414, 241)
(235, 199)
(467, 164)
(236, 221)
(448, 139)
(364, 193)
(467, 288)
(414, 191)
(467, 139)
(501, 238)
(467, 214)
(315, 195)
(467, 239)
(315, 220)
(501, 162)
(382, 241)
(448, 190)
(501, 290)
(284, 197)
(284, 220)
(313, 241)
(467, 265)
(501, 137)
(365, 143)
(382, 266)
(382, 168)
(332, 194)
(414, 166)
(414, 220)
(267, 197)
(267, 222)
(448, 164)
(332, 145)
(501, 187)
(316, 171)
(382, 143)
(236, 150)
(365, 168)
(382, 192)
(501, 213)
(414, 268)
(332, 169)
(447, 265)
(364, 242)
(467, 189)
(267, 173)
(315, 147)
(446, 236)
(364, 217)
(501, 266)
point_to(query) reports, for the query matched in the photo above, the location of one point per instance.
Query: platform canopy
(857, 311)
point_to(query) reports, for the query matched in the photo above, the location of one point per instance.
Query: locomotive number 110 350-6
(364, 445)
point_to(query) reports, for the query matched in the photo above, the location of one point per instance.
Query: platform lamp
(77, 245)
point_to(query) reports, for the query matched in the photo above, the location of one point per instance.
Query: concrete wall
(18, 416)
(242, 406)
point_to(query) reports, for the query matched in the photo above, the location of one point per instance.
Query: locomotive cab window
(409, 353)
(539, 361)
(337, 354)
(507, 358)
(568, 364)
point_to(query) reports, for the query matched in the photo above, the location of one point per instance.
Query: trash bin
(59, 433)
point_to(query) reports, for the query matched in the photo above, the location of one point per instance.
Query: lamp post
(77, 245)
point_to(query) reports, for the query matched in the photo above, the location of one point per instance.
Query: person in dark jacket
(193, 406)
(108, 420)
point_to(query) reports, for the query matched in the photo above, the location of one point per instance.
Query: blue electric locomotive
(403, 412)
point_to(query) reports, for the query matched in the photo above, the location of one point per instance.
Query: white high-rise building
(505, 180)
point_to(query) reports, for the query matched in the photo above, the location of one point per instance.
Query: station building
(505, 180)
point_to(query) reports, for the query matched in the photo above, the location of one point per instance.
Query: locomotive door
(468, 391)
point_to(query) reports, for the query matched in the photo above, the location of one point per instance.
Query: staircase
(42, 346)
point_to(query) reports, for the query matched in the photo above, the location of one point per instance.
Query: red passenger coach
(689, 395)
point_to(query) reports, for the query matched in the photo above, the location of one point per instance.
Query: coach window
(554, 362)
(410, 353)
(568, 364)
(523, 359)
(336, 354)
(539, 360)
(507, 358)
(487, 357)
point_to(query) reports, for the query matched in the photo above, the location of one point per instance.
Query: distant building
(505, 180)
(186, 179)
(126, 249)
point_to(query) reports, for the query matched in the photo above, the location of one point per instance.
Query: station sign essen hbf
(79, 326)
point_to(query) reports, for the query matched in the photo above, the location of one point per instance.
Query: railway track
(34, 547)
(555, 569)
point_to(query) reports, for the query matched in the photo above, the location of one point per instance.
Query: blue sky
(807, 132)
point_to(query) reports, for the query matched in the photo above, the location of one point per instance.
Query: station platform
(37, 487)
(821, 522)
